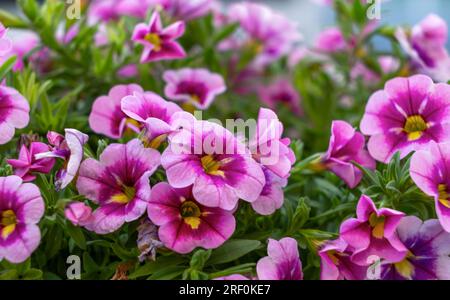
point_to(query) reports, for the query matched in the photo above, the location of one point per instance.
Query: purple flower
(78, 213)
(21, 46)
(429, 170)
(405, 116)
(331, 40)
(346, 145)
(186, 10)
(112, 10)
(128, 71)
(428, 256)
(218, 166)
(148, 241)
(21, 208)
(336, 263)
(118, 183)
(186, 224)
(159, 43)
(272, 195)
(27, 165)
(107, 116)
(282, 263)
(5, 41)
(14, 113)
(373, 233)
(281, 93)
(198, 87)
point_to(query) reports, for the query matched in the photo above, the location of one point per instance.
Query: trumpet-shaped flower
(198, 87)
(159, 43)
(373, 233)
(14, 113)
(78, 213)
(5, 42)
(281, 93)
(186, 224)
(21, 208)
(186, 10)
(272, 195)
(331, 40)
(118, 183)
(406, 115)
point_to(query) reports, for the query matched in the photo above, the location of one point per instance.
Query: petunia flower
(107, 116)
(128, 71)
(118, 183)
(331, 40)
(428, 256)
(186, 10)
(372, 233)
(405, 116)
(5, 41)
(112, 10)
(215, 162)
(78, 213)
(14, 113)
(272, 195)
(429, 170)
(346, 145)
(69, 148)
(159, 43)
(282, 263)
(198, 87)
(27, 165)
(388, 64)
(186, 224)
(22, 45)
(21, 208)
(336, 263)
(281, 93)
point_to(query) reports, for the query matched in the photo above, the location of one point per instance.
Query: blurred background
(312, 18)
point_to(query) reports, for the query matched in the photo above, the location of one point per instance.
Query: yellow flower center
(154, 143)
(405, 267)
(377, 224)
(333, 255)
(254, 46)
(190, 212)
(212, 166)
(155, 40)
(128, 194)
(415, 125)
(443, 195)
(8, 223)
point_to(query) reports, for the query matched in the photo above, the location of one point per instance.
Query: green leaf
(9, 275)
(167, 273)
(11, 20)
(89, 264)
(76, 233)
(225, 32)
(32, 274)
(7, 66)
(199, 259)
(160, 264)
(232, 250)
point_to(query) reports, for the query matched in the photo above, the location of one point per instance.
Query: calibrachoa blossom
(27, 165)
(272, 195)
(21, 46)
(21, 208)
(281, 93)
(282, 263)
(159, 43)
(186, 224)
(336, 263)
(78, 213)
(372, 232)
(118, 183)
(198, 87)
(331, 40)
(107, 116)
(405, 116)
(5, 41)
(346, 145)
(218, 166)
(429, 170)
(111, 10)
(69, 148)
(428, 256)
(186, 10)
(14, 113)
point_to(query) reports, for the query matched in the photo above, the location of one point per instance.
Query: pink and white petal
(26, 241)
(209, 192)
(32, 205)
(266, 269)
(6, 132)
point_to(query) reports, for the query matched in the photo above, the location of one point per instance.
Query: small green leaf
(32, 274)
(7, 66)
(232, 250)
(76, 233)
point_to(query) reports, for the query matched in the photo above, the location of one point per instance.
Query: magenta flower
(373, 233)
(281, 93)
(27, 165)
(159, 43)
(5, 41)
(218, 166)
(14, 113)
(21, 208)
(79, 214)
(112, 10)
(186, 10)
(429, 170)
(118, 183)
(21, 46)
(331, 40)
(107, 116)
(128, 71)
(282, 263)
(70, 149)
(405, 116)
(272, 195)
(388, 65)
(346, 145)
(428, 256)
(336, 263)
(198, 87)
(186, 224)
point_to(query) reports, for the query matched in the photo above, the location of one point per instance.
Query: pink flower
(5, 41)
(405, 116)
(186, 10)
(373, 233)
(218, 166)
(346, 145)
(429, 170)
(21, 208)
(331, 40)
(27, 165)
(14, 113)
(118, 183)
(159, 43)
(78, 213)
(21, 46)
(336, 263)
(128, 71)
(112, 10)
(186, 224)
(272, 194)
(196, 86)
(281, 93)
(107, 116)
(282, 263)
(388, 65)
